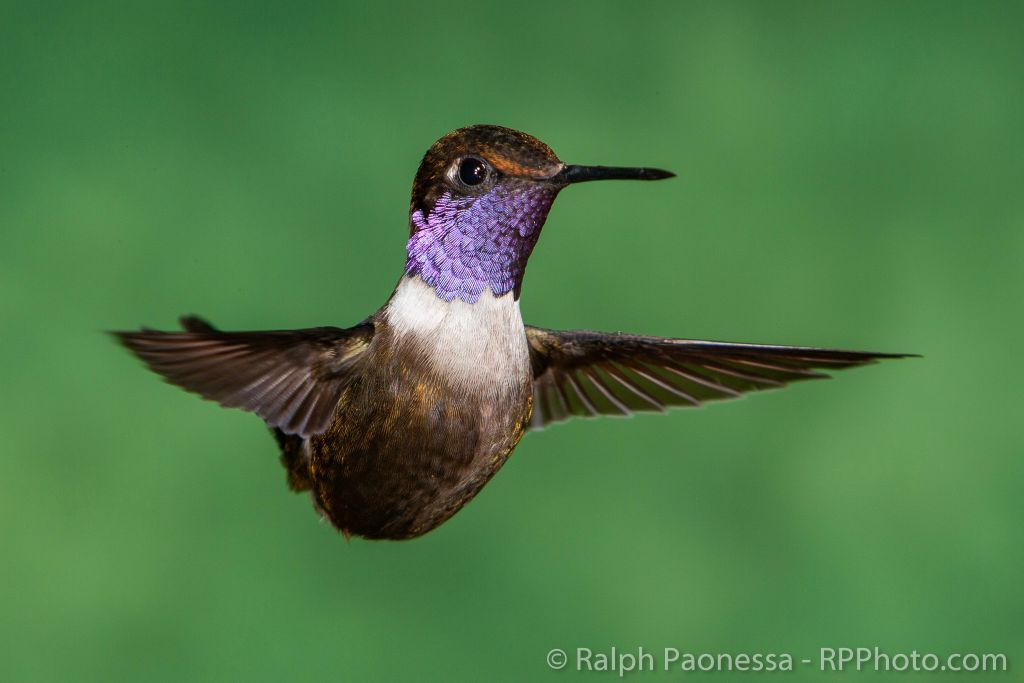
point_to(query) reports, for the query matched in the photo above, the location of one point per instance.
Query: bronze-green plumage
(394, 424)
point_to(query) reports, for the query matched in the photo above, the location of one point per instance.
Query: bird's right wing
(291, 378)
(582, 373)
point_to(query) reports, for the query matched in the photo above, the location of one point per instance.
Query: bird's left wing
(291, 378)
(582, 373)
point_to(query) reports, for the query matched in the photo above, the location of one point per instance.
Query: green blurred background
(849, 175)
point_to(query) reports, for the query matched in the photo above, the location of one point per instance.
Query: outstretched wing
(291, 378)
(581, 373)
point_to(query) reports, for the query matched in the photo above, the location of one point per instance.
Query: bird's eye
(472, 171)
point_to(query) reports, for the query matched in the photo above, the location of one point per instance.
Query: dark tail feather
(193, 323)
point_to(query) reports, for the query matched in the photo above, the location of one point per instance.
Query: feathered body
(445, 397)
(394, 424)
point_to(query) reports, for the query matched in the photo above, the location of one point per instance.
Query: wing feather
(629, 373)
(293, 379)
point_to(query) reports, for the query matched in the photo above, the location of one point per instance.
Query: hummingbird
(394, 424)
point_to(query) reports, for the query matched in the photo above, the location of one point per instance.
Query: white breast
(477, 345)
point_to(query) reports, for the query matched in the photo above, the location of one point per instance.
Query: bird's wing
(291, 378)
(581, 373)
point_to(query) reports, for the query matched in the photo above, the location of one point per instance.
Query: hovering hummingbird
(394, 424)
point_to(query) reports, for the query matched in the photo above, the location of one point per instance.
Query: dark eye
(472, 171)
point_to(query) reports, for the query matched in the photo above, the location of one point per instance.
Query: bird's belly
(399, 468)
(435, 415)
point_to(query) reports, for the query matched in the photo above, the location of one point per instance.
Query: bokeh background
(850, 174)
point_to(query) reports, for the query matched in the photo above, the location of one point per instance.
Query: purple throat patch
(466, 244)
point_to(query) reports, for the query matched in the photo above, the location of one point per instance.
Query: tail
(193, 323)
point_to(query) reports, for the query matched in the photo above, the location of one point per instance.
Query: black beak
(581, 174)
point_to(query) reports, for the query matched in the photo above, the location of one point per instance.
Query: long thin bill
(581, 174)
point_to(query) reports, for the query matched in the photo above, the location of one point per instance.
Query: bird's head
(479, 201)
